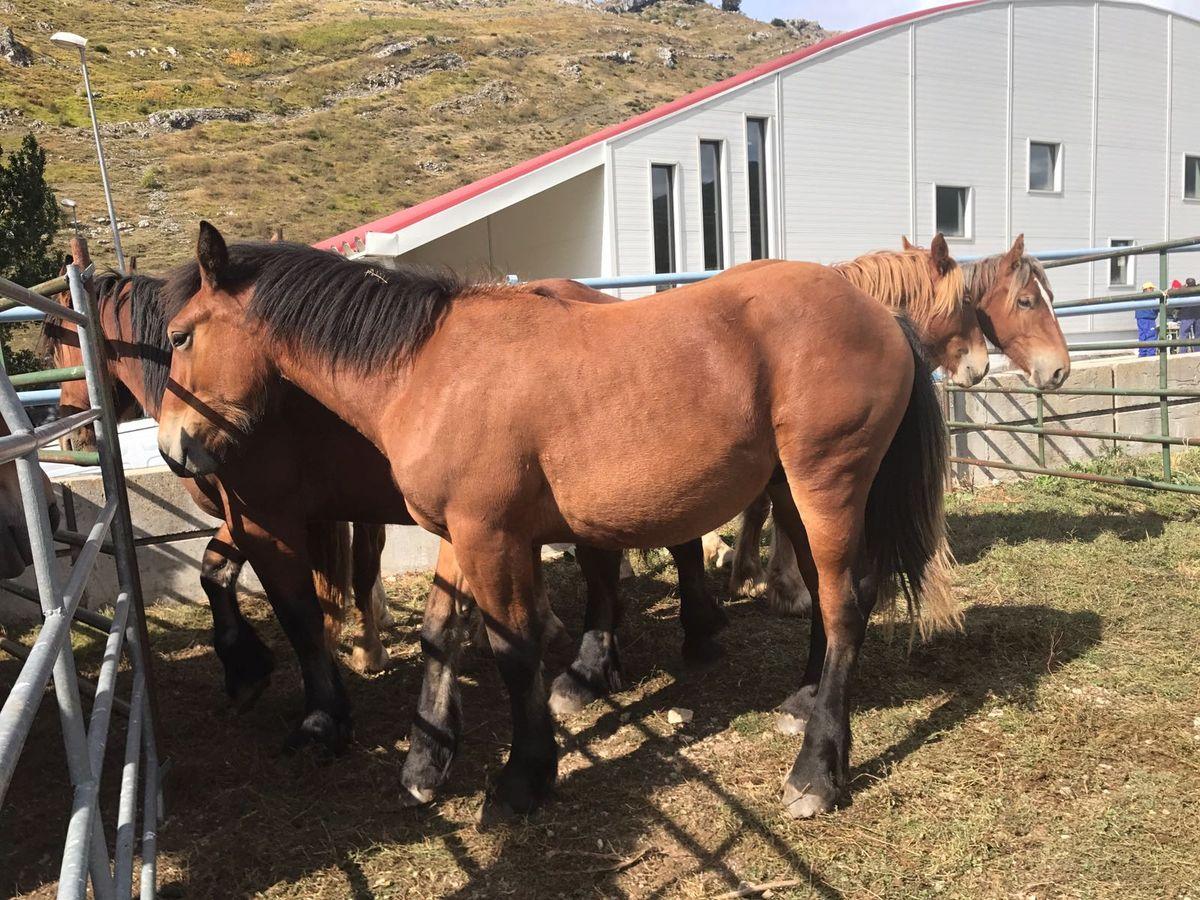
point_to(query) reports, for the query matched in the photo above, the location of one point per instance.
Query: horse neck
(123, 359)
(361, 401)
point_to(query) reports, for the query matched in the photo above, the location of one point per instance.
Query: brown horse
(138, 353)
(1012, 294)
(719, 387)
(15, 551)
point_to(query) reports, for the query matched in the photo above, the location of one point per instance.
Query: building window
(1045, 167)
(1120, 268)
(711, 222)
(953, 211)
(662, 198)
(756, 173)
(1191, 177)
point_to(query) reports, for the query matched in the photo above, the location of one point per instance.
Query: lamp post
(70, 204)
(74, 42)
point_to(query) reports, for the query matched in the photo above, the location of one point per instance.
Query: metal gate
(87, 851)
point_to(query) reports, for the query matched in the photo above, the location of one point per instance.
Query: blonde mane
(903, 280)
(979, 276)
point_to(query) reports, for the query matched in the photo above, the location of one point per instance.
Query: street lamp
(71, 41)
(70, 204)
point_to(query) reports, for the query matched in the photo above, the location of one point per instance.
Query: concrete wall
(171, 571)
(1129, 415)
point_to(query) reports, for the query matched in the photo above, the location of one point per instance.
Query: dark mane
(352, 314)
(149, 330)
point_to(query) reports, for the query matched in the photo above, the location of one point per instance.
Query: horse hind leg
(438, 724)
(746, 574)
(700, 612)
(786, 593)
(368, 653)
(596, 669)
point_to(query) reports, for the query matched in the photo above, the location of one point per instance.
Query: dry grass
(1051, 750)
(287, 61)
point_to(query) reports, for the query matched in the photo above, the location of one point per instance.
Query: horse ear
(212, 254)
(939, 252)
(904, 243)
(1013, 257)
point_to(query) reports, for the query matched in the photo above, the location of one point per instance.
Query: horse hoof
(750, 586)
(516, 792)
(412, 796)
(805, 804)
(319, 728)
(243, 696)
(701, 651)
(788, 601)
(367, 660)
(790, 724)
(570, 695)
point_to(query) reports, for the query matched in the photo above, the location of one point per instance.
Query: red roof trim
(405, 217)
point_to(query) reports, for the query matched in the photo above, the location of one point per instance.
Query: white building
(1077, 123)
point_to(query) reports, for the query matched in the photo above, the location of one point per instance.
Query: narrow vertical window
(1191, 177)
(662, 195)
(1119, 268)
(1045, 171)
(710, 204)
(952, 215)
(756, 172)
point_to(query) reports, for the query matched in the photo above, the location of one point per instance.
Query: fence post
(1164, 406)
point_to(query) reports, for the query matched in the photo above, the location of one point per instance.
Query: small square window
(1045, 170)
(1120, 268)
(1191, 177)
(953, 211)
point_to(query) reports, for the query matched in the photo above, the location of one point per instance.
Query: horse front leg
(504, 571)
(746, 575)
(596, 670)
(280, 558)
(437, 726)
(700, 612)
(247, 661)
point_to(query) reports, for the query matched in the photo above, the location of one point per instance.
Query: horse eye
(1025, 302)
(181, 339)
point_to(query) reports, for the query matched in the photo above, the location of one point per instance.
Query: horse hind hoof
(513, 796)
(785, 602)
(369, 660)
(701, 651)
(805, 804)
(570, 694)
(412, 797)
(242, 697)
(320, 729)
(790, 724)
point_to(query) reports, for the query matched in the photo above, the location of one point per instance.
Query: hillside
(333, 113)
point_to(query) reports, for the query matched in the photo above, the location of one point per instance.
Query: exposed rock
(396, 75)
(626, 6)
(666, 55)
(182, 119)
(13, 50)
(143, 223)
(679, 716)
(807, 31)
(432, 166)
(731, 5)
(622, 57)
(511, 52)
(9, 115)
(172, 52)
(136, 52)
(400, 48)
(570, 70)
(165, 65)
(493, 93)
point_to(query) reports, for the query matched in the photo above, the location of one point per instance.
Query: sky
(842, 15)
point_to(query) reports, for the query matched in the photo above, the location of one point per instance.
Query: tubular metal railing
(86, 852)
(1162, 300)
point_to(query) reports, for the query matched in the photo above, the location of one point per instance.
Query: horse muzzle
(1051, 374)
(186, 456)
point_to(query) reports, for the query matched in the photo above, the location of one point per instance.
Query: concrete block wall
(1133, 415)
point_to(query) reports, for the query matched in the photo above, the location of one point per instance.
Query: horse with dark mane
(719, 387)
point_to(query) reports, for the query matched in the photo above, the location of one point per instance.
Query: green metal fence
(1164, 299)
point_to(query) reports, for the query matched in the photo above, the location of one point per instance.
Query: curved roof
(405, 217)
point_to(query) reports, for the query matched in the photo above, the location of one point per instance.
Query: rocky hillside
(320, 115)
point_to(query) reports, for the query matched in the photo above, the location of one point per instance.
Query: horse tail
(906, 516)
(329, 553)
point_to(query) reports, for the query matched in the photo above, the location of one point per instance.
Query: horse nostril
(1060, 375)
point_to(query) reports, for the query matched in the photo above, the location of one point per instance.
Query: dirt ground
(1050, 750)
